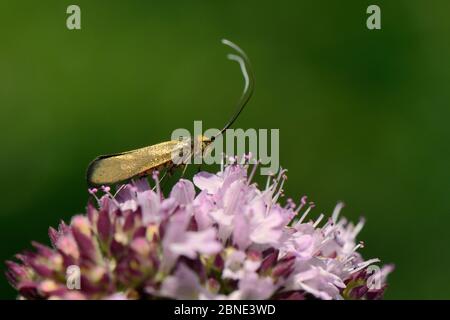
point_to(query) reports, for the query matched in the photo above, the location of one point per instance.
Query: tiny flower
(183, 284)
(238, 265)
(254, 287)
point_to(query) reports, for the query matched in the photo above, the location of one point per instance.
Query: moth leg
(184, 170)
(185, 164)
(162, 179)
(167, 174)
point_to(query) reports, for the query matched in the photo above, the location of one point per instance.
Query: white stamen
(280, 190)
(222, 162)
(120, 189)
(322, 244)
(112, 198)
(269, 178)
(311, 205)
(358, 227)
(96, 198)
(302, 204)
(155, 177)
(252, 173)
(282, 171)
(318, 220)
(359, 245)
(336, 211)
(364, 264)
(328, 227)
(349, 259)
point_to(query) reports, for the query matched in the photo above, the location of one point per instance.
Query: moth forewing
(116, 168)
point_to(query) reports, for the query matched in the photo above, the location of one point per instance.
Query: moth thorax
(201, 143)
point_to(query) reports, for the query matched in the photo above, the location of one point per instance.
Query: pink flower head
(230, 240)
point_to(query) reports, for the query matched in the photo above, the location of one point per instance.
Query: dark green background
(363, 115)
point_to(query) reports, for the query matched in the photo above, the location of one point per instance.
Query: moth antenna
(249, 82)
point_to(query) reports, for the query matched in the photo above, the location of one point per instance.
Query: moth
(120, 167)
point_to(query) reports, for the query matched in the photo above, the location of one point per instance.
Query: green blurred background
(363, 115)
